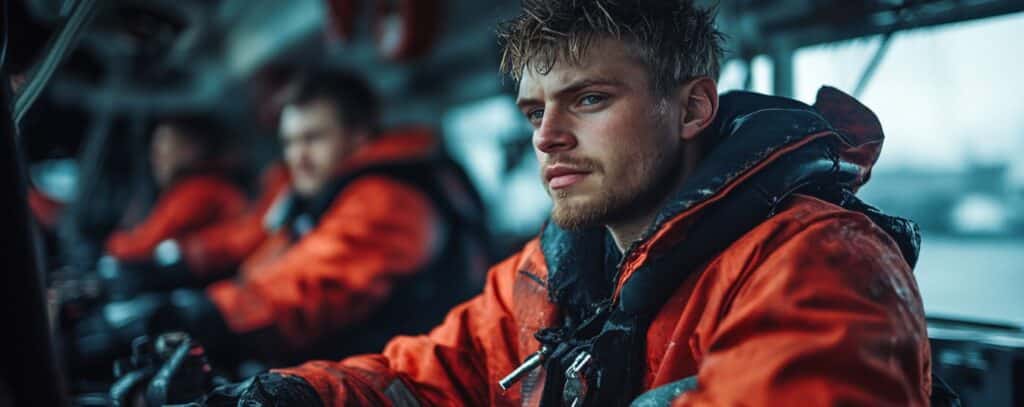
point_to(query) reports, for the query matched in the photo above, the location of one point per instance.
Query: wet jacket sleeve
(832, 316)
(219, 249)
(378, 230)
(458, 363)
(184, 208)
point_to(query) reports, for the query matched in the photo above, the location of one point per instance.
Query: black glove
(106, 333)
(265, 390)
(165, 271)
(192, 311)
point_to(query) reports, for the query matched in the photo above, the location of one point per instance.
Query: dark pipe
(29, 372)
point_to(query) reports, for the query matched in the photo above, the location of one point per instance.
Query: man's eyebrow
(523, 102)
(574, 87)
(580, 84)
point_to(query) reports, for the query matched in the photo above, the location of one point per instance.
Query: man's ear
(699, 101)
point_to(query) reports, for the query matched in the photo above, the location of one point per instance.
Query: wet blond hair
(676, 40)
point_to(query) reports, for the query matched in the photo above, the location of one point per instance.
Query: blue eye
(592, 99)
(535, 115)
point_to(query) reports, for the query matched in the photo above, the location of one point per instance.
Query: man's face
(605, 143)
(315, 144)
(170, 153)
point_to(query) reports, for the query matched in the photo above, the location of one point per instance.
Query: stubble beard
(634, 194)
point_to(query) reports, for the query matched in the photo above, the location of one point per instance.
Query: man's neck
(626, 232)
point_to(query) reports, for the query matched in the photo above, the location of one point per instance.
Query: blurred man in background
(187, 158)
(188, 164)
(701, 251)
(377, 234)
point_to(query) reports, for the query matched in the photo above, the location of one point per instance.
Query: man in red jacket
(379, 233)
(186, 158)
(185, 155)
(701, 250)
(376, 234)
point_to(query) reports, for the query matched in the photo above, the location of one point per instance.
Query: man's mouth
(560, 176)
(304, 169)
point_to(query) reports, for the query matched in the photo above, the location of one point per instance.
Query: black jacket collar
(765, 149)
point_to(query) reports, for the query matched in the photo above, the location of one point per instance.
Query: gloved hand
(108, 332)
(192, 311)
(265, 390)
(165, 271)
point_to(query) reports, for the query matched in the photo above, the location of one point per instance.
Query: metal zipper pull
(531, 362)
(576, 386)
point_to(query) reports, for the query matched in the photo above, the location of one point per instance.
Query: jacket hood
(398, 145)
(764, 149)
(754, 131)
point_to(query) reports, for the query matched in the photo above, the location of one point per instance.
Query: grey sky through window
(946, 96)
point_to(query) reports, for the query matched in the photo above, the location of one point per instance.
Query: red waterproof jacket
(809, 299)
(376, 233)
(184, 208)
(221, 248)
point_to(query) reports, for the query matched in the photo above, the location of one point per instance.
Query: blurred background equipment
(168, 369)
(940, 74)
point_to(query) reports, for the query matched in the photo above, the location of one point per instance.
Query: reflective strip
(400, 395)
(662, 396)
(275, 215)
(167, 253)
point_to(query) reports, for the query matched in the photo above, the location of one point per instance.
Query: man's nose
(554, 134)
(297, 153)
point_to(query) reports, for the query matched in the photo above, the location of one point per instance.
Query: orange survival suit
(145, 259)
(386, 248)
(764, 281)
(185, 207)
(147, 256)
(219, 250)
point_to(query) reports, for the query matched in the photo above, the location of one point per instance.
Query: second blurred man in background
(377, 234)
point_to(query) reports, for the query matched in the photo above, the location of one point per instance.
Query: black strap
(942, 394)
